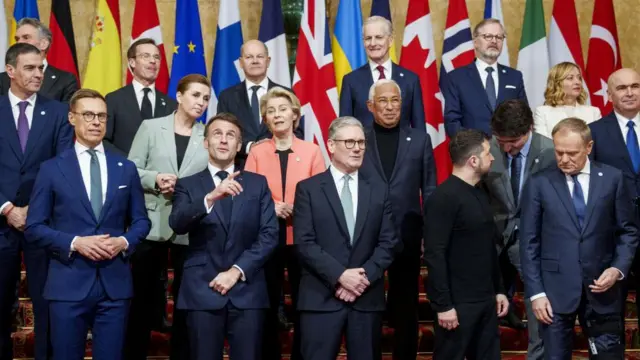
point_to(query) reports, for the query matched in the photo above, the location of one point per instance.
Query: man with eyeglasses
(138, 101)
(345, 237)
(33, 129)
(88, 212)
(472, 93)
(400, 158)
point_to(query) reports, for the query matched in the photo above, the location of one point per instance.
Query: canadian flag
(604, 53)
(419, 56)
(146, 24)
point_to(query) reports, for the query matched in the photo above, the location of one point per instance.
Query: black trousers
(148, 264)
(476, 338)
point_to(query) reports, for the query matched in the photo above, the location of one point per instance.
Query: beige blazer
(154, 151)
(546, 117)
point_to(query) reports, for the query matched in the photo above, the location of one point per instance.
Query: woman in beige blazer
(564, 97)
(165, 149)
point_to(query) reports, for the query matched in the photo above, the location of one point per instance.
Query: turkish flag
(604, 54)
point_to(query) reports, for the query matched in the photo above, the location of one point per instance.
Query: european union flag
(188, 51)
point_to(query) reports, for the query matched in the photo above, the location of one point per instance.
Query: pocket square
(509, 87)
(122, 187)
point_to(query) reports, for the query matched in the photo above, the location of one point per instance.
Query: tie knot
(346, 178)
(575, 177)
(630, 124)
(222, 174)
(146, 91)
(380, 68)
(255, 88)
(489, 69)
(22, 105)
(92, 152)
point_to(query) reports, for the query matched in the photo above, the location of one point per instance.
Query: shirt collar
(263, 84)
(214, 170)
(482, 65)
(338, 175)
(137, 86)
(45, 63)
(386, 65)
(81, 148)
(14, 100)
(623, 120)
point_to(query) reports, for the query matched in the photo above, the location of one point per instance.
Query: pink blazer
(305, 161)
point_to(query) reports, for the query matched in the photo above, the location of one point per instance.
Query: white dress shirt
(375, 73)
(14, 100)
(139, 91)
(338, 178)
(545, 117)
(622, 122)
(481, 65)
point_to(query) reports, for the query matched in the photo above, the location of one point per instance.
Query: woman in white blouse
(564, 97)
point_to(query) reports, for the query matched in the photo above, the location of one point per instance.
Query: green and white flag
(533, 57)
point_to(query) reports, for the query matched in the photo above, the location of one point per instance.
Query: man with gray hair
(345, 238)
(57, 84)
(378, 36)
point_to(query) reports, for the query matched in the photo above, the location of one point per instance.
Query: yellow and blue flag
(22, 9)
(381, 8)
(347, 44)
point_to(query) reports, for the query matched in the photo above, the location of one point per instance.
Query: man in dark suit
(471, 93)
(354, 94)
(33, 129)
(400, 158)
(578, 239)
(232, 226)
(138, 101)
(88, 211)
(345, 236)
(519, 153)
(56, 84)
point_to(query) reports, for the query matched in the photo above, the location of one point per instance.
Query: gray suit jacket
(154, 151)
(497, 182)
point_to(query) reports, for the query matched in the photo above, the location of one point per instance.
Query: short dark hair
(131, 53)
(512, 118)
(17, 49)
(84, 94)
(183, 84)
(466, 143)
(223, 116)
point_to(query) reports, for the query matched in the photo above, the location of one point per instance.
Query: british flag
(457, 49)
(314, 80)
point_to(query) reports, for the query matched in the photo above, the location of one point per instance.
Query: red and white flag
(419, 56)
(604, 53)
(457, 47)
(146, 24)
(314, 80)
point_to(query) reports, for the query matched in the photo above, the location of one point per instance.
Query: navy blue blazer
(214, 246)
(355, 93)
(60, 210)
(321, 239)
(414, 174)
(561, 259)
(466, 105)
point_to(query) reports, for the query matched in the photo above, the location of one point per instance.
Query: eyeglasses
(491, 37)
(89, 116)
(350, 143)
(147, 56)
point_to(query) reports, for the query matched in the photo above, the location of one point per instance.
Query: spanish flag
(104, 67)
(22, 9)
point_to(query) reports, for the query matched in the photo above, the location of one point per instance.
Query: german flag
(62, 53)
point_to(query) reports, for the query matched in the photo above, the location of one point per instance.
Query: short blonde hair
(554, 94)
(278, 92)
(573, 125)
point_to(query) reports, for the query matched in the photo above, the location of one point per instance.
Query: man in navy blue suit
(472, 93)
(345, 236)
(88, 211)
(400, 158)
(33, 129)
(378, 36)
(233, 229)
(578, 240)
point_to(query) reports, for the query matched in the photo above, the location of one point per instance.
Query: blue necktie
(491, 88)
(226, 203)
(632, 146)
(516, 173)
(578, 200)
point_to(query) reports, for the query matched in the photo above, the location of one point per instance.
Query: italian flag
(533, 57)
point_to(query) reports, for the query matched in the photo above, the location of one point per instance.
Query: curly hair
(554, 94)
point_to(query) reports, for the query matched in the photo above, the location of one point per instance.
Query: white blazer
(546, 117)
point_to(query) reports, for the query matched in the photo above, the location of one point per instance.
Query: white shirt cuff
(4, 206)
(538, 296)
(241, 273)
(621, 274)
(126, 241)
(72, 248)
(249, 146)
(206, 206)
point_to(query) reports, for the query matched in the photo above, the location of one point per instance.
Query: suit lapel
(373, 153)
(502, 82)
(613, 128)
(114, 174)
(131, 103)
(236, 207)
(207, 184)
(169, 140)
(559, 182)
(331, 192)
(364, 196)
(197, 133)
(243, 96)
(160, 108)
(48, 80)
(404, 142)
(476, 82)
(505, 178)
(8, 127)
(595, 189)
(534, 152)
(70, 169)
(38, 125)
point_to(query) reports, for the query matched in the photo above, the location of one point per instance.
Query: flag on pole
(146, 24)
(272, 34)
(457, 48)
(347, 45)
(104, 66)
(493, 10)
(225, 70)
(381, 8)
(419, 56)
(4, 34)
(22, 9)
(533, 58)
(314, 76)
(62, 52)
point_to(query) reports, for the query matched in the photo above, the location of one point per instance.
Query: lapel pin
(536, 160)
(599, 174)
(163, 104)
(53, 76)
(42, 112)
(119, 164)
(504, 71)
(408, 139)
(297, 159)
(401, 75)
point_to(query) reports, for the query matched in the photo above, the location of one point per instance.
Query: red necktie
(381, 71)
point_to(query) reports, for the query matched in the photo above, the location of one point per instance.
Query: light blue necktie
(96, 184)
(347, 205)
(632, 145)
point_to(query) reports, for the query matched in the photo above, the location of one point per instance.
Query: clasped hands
(352, 284)
(283, 210)
(99, 247)
(225, 281)
(16, 216)
(166, 183)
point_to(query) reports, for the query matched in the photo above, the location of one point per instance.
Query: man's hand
(228, 187)
(502, 305)
(283, 210)
(166, 182)
(225, 280)
(542, 310)
(354, 280)
(345, 295)
(95, 247)
(17, 217)
(448, 319)
(605, 281)
(116, 245)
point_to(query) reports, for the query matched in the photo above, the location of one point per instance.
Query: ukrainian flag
(22, 9)
(346, 44)
(381, 8)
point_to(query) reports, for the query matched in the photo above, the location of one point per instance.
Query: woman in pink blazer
(284, 160)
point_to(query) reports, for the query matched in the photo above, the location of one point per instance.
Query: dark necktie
(491, 88)
(255, 103)
(225, 202)
(96, 184)
(381, 71)
(146, 110)
(23, 124)
(632, 146)
(578, 200)
(516, 174)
